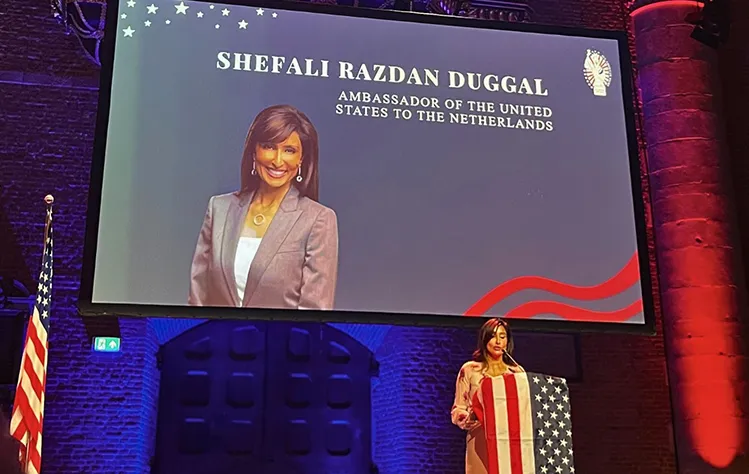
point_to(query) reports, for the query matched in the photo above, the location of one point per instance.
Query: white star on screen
(168, 22)
(130, 3)
(242, 25)
(123, 16)
(218, 26)
(147, 22)
(225, 12)
(152, 9)
(212, 7)
(200, 14)
(181, 8)
(128, 32)
(274, 15)
(260, 12)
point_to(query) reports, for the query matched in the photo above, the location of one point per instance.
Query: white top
(246, 250)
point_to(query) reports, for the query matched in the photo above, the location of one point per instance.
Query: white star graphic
(131, 3)
(225, 12)
(546, 406)
(539, 415)
(123, 16)
(242, 25)
(544, 469)
(557, 452)
(44, 314)
(45, 301)
(181, 8)
(572, 469)
(563, 443)
(565, 398)
(544, 389)
(548, 443)
(274, 15)
(147, 22)
(541, 433)
(536, 380)
(567, 416)
(569, 434)
(559, 469)
(38, 298)
(558, 389)
(200, 14)
(168, 22)
(45, 277)
(561, 424)
(549, 380)
(552, 398)
(555, 433)
(565, 461)
(212, 7)
(218, 26)
(128, 32)
(554, 415)
(260, 11)
(538, 397)
(152, 9)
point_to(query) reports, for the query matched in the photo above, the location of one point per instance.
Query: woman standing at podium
(491, 358)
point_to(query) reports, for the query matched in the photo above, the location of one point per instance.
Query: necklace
(259, 218)
(496, 369)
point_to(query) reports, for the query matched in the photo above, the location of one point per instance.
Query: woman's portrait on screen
(270, 244)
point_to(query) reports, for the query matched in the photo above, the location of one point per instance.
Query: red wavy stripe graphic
(573, 313)
(627, 276)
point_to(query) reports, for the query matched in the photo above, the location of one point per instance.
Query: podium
(527, 421)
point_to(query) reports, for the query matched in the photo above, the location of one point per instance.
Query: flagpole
(48, 200)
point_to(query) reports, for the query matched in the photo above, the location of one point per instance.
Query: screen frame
(87, 307)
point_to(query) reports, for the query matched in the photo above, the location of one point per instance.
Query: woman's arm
(461, 413)
(199, 284)
(320, 272)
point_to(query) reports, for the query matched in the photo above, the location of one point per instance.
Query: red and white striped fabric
(28, 407)
(526, 420)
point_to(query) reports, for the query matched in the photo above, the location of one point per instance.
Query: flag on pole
(28, 407)
(527, 423)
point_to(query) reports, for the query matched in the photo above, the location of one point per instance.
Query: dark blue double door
(264, 398)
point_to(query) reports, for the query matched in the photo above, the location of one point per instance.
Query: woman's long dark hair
(486, 333)
(274, 125)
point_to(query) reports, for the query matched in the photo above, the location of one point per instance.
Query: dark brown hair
(274, 125)
(486, 333)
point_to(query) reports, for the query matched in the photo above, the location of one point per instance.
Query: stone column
(703, 291)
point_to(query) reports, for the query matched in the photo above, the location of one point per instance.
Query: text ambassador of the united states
(270, 244)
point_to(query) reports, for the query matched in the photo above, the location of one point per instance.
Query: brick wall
(411, 403)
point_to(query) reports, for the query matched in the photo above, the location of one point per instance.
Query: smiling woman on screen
(492, 358)
(270, 244)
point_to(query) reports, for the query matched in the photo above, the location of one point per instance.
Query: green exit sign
(106, 344)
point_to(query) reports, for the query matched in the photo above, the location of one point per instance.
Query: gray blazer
(296, 265)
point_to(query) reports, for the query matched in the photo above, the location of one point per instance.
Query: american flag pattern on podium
(28, 407)
(527, 422)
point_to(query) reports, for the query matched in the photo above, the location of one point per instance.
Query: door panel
(211, 400)
(264, 398)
